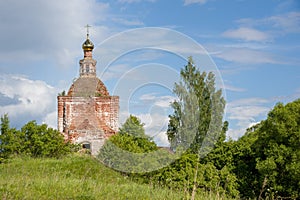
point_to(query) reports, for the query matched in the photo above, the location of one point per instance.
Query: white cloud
(247, 34)
(51, 119)
(39, 30)
(28, 99)
(156, 118)
(289, 22)
(232, 88)
(147, 97)
(159, 39)
(277, 24)
(188, 2)
(246, 56)
(161, 139)
(161, 101)
(246, 112)
(155, 126)
(128, 22)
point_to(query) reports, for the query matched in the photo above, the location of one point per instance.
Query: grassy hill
(73, 177)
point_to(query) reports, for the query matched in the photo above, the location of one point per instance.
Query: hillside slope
(73, 177)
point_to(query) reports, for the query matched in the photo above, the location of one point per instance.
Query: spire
(87, 64)
(87, 45)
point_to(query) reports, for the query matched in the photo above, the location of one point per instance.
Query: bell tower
(87, 64)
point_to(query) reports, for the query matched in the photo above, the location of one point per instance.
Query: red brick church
(87, 114)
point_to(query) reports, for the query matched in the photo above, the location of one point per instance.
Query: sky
(252, 46)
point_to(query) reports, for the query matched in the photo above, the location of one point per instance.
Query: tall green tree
(196, 123)
(197, 119)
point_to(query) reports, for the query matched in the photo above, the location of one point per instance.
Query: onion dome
(88, 45)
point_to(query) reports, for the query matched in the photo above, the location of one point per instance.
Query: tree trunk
(195, 182)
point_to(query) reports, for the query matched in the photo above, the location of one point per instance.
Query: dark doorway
(86, 146)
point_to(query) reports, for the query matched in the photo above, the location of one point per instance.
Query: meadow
(75, 176)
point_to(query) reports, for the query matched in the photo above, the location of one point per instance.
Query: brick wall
(88, 119)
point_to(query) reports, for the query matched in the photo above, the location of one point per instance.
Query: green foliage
(196, 126)
(267, 157)
(128, 150)
(180, 175)
(243, 160)
(198, 113)
(42, 141)
(278, 151)
(63, 93)
(33, 140)
(133, 126)
(132, 143)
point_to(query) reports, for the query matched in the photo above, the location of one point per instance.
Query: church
(87, 114)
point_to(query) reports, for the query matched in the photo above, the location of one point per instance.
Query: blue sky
(253, 46)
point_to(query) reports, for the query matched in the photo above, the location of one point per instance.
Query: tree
(278, 152)
(133, 126)
(196, 123)
(11, 140)
(33, 140)
(267, 157)
(42, 141)
(128, 150)
(244, 162)
(197, 119)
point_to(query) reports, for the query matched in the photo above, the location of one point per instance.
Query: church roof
(88, 87)
(88, 45)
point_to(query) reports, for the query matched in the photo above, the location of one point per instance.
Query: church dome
(88, 87)
(88, 45)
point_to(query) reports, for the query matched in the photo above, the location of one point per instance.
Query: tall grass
(77, 177)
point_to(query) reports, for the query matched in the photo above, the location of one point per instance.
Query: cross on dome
(87, 30)
(87, 45)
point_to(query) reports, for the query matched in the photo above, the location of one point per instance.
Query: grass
(79, 177)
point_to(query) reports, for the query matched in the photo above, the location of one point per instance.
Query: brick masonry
(88, 114)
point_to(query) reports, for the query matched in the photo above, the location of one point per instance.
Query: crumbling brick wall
(88, 119)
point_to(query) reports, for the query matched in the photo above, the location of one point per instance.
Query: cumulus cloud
(246, 112)
(36, 30)
(26, 99)
(156, 126)
(161, 139)
(51, 119)
(247, 34)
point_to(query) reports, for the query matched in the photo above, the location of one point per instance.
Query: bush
(33, 140)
